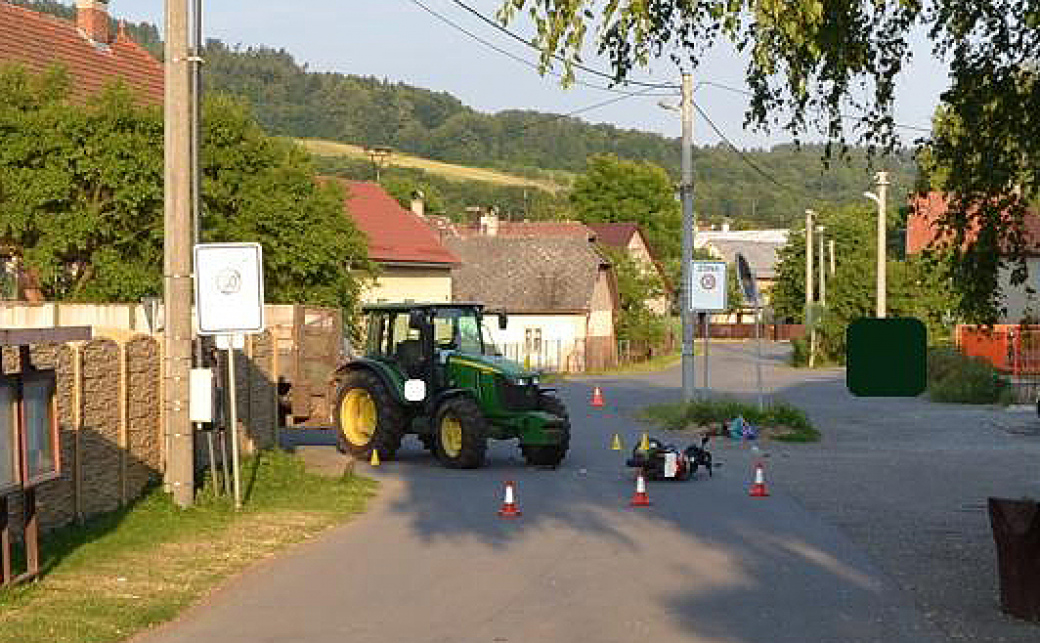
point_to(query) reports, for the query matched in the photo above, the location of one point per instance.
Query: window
(533, 340)
(458, 329)
(39, 427)
(9, 477)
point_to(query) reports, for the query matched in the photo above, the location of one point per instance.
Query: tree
(81, 197)
(915, 288)
(636, 286)
(614, 190)
(807, 62)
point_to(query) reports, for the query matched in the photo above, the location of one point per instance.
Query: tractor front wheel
(460, 438)
(550, 455)
(367, 416)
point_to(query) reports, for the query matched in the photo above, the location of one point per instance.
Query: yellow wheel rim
(357, 416)
(451, 436)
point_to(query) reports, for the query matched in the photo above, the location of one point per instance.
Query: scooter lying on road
(666, 462)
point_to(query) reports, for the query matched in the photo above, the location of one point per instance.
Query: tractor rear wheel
(367, 416)
(550, 455)
(460, 438)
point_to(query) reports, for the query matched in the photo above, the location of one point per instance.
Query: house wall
(638, 250)
(561, 339)
(601, 318)
(398, 284)
(1019, 303)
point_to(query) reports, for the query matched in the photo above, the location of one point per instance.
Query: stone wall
(108, 398)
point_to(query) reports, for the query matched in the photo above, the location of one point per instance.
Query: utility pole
(177, 281)
(823, 274)
(831, 245)
(689, 373)
(880, 199)
(809, 214)
(882, 183)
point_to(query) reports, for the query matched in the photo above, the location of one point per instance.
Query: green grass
(130, 570)
(790, 423)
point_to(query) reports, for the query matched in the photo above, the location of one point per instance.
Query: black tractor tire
(429, 442)
(469, 452)
(390, 417)
(550, 455)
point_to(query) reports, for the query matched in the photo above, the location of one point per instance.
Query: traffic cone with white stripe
(641, 498)
(758, 487)
(509, 508)
(597, 397)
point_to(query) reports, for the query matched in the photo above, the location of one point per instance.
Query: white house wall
(561, 337)
(400, 284)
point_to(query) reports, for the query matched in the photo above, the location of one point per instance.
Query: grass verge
(781, 420)
(130, 570)
(649, 366)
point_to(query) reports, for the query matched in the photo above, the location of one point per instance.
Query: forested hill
(291, 100)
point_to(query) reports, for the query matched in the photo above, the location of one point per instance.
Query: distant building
(416, 266)
(923, 232)
(93, 54)
(560, 293)
(629, 238)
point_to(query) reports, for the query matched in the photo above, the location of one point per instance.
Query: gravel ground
(906, 479)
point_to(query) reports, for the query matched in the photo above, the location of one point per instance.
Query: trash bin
(1016, 530)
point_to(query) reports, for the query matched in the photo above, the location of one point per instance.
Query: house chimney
(92, 19)
(492, 222)
(418, 204)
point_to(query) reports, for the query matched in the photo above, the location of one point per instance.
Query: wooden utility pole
(177, 280)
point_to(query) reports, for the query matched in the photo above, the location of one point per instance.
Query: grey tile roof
(525, 274)
(762, 255)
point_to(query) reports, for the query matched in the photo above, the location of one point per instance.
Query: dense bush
(953, 377)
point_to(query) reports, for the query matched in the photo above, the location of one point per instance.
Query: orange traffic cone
(509, 508)
(758, 488)
(597, 397)
(640, 498)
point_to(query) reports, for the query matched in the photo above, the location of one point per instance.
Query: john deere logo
(708, 282)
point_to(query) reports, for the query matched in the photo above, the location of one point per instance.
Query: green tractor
(430, 370)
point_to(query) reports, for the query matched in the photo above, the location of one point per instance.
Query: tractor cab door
(410, 346)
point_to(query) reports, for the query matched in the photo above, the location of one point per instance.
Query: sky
(399, 41)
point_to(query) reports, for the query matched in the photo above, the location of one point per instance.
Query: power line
(741, 153)
(737, 90)
(556, 117)
(574, 64)
(505, 52)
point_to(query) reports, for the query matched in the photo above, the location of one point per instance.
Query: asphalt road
(432, 561)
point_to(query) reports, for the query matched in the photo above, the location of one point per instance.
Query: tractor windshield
(458, 329)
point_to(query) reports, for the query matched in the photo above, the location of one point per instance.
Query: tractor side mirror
(503, 321)
(415, 390)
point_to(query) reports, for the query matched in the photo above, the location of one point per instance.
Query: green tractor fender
(390, 378)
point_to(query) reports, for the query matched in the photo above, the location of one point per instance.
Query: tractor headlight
(520, 381)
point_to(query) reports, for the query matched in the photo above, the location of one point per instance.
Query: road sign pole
(707, 339)
(233, 412)
(758, 362)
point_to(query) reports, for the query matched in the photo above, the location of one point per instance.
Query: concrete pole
(177, 254)
(831, 246)
(823, 273)
(882, 193)
(689, 372)
(809, 214)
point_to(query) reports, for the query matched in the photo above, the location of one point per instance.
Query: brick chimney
(419, 204)
(92, 19)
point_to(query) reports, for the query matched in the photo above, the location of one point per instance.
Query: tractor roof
(412, 306)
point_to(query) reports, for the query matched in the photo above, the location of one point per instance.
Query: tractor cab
(437, 374)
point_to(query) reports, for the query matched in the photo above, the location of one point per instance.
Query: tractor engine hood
(501, 365)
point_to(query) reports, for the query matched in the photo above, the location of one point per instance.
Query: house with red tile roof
(630, 239)
(415, 265)
(87, 49)
(922, 232)
(93, 54)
